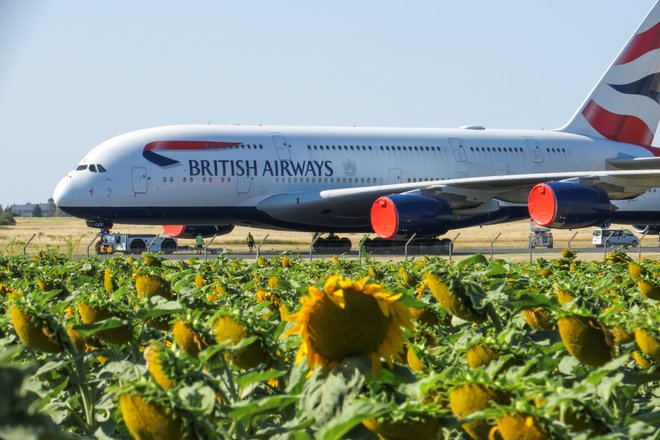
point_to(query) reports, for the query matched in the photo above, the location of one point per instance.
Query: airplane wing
(466, 196)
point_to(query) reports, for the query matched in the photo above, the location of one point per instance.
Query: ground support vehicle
(540, 236)
(134, 244)
(614, 238)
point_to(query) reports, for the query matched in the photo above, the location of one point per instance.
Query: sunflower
(187, 339)
(350, 318)
(424, 427)
(148, 285)
(589, 341)
(228, 328)
(518, 426)
(648, 343)
(149, 420)
(538, 319)
(154, 357)
(34, 332)
(470, 398)
(480, 354)
(108, 281)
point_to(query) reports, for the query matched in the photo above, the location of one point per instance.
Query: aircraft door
(534, 150)
(139, 175)
(458, 149)
(394, 176)
(282, 147)
(243, 185)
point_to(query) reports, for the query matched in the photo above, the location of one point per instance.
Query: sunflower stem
(494, 317)
(85, 395)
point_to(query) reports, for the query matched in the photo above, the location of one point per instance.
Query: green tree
(7, 218)
(36, 211)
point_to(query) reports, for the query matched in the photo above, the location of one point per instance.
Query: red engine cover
(174, 230)
(542, 205)
(384, 218)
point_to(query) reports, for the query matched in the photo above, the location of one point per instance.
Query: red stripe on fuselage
(189, 145)
(642, 44)
(620, 128)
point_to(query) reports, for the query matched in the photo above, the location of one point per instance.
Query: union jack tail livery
(624, 106)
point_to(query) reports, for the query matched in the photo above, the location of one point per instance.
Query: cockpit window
(81, 167)
(92, 168)
(100, 168)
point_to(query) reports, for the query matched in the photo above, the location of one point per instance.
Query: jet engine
(407, 214)
(191, 231)
(567, 205)
(646, 229)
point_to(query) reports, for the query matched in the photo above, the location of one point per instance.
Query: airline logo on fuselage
(233, 168)
(251, 168)
(149, 151)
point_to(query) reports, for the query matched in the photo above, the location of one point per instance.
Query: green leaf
(597, 376)
(249, 408)
(474, 259)
(351, 415)
(494, 268)
(257, 377)
(198, 398)
(90, 329)
(528, 299)
(325, 392)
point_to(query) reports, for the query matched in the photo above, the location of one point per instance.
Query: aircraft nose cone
(63, 194)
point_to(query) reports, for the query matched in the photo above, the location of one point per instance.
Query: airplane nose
(63, 194)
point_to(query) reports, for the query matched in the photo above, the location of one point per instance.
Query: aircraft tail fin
(625, 104)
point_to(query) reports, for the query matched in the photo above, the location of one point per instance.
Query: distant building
(47, 209)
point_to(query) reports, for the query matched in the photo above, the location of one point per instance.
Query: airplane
(599, 168)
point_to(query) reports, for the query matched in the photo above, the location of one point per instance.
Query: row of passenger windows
(204, 179)
(93, 168)
(498, 149)
(370, 148)
(424, 148)
(365, 180)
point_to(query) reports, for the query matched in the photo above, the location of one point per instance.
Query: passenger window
(92, 168)
(100, 168)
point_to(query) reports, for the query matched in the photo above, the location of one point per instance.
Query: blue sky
(76, 72)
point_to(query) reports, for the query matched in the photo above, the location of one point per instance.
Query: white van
(617, 237)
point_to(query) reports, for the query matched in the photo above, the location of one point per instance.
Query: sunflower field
(149, 348)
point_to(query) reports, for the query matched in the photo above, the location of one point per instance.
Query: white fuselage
(220, 174)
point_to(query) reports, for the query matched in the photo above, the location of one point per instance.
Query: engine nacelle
(191, 231)
(407, 214)
(567, 205)
(646, 229)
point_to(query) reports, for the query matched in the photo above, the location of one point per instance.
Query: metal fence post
(532, 240)
(28, 243)
(151, 243)
(206, 247)
(405, 248)
(361, 246)
(311, 246)
(451, 246)
(639, 251)
(492, 243)
(98, 234)
(605, 245)
(259, 246)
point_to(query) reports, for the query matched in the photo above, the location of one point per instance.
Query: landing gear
(420, 246)
(104, 225)
(332, 245)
